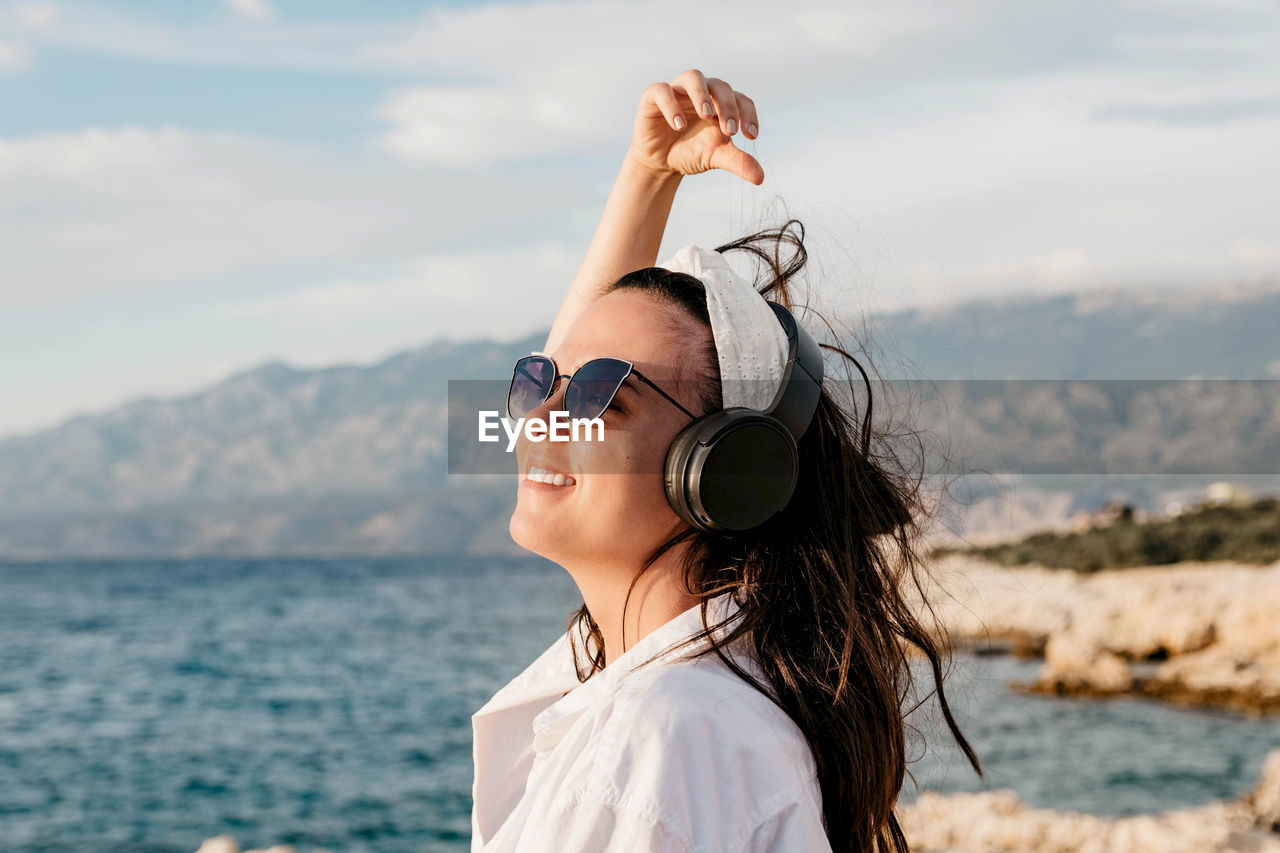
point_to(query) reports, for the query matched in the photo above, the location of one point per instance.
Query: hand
(674, 133)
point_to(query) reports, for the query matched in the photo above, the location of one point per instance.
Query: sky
(190, 189)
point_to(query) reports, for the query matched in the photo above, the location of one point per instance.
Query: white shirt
(678, 755)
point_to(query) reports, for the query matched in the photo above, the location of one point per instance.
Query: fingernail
(679, 122)
(707, 109)
(751, 129)
(733, 126)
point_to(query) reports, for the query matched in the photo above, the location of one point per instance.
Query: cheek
(619, 506)
(627, 486)
(634, 450)
(627, 502)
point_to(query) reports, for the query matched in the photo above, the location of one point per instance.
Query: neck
(657, 598)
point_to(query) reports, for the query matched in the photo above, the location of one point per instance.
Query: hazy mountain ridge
(273, 430)
(1227, 333)
(350, 459)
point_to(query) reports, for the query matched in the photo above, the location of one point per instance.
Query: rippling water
(148, 706)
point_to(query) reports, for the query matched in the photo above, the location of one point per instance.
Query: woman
(720, 689)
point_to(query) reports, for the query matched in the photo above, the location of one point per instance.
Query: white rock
(1217, 624)
(220, 844)
(998, 822)
(1265, 799)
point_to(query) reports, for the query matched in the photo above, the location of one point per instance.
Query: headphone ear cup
(731, 470)
(679, 461)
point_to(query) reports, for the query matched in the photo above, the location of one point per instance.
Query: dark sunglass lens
(530, 385)
(593, 386)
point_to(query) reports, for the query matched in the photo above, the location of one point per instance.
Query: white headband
(750, 343)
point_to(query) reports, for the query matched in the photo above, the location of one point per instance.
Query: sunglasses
(590, 391)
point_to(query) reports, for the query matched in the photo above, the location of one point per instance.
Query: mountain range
(351, 460)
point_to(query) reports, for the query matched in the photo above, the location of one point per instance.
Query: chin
(529, 533)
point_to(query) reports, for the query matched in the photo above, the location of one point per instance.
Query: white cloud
(539, 79)
(258, 10)
(558, 77)
(1054, 271)
(107, 210)
(1030, 190)
(109, 30)
(453, 125)
(117, 210)
(24, 18)
(567, 39)
(28, 15)
(1262, 255)
(14, 57)
(966, 143)
(498, 291)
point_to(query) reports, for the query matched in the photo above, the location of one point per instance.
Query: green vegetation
(1243, 533)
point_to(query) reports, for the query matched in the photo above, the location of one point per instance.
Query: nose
(542, 412)
(554, 401)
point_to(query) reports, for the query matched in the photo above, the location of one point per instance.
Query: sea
(146, 706)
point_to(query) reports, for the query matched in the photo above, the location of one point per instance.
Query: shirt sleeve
(598, 826)
(787, 829)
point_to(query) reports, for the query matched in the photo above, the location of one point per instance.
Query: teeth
(551, 478)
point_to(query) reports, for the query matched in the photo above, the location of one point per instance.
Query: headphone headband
(797, 399)
(734, 469)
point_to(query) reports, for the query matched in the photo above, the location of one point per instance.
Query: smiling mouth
(550, 478)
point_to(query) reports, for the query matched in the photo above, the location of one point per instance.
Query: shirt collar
(552, 673)
(532, 713)
(552, 723)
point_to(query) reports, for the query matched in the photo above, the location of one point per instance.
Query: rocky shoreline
(1195, 634)
(998, 822)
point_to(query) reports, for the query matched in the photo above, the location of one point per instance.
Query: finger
(739, 162)
(664, 97)
(694, 84)
(747, 114)
(726, 105)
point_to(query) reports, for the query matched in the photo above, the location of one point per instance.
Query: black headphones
(735, 469)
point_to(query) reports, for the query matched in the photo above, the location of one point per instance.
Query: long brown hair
(822, 585)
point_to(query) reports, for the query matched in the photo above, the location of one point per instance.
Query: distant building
(1110, 513)
(1227, 493)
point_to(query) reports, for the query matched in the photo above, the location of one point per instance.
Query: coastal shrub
(1248, 533)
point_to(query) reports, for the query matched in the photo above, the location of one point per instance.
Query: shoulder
(695, 745)
(702, 697)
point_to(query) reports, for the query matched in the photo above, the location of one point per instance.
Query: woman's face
(616, 509)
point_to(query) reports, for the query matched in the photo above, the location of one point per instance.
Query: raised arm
(675, 135)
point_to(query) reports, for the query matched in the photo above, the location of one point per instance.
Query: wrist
(636, 168)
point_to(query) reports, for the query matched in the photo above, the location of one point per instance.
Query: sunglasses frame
(555, 383)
